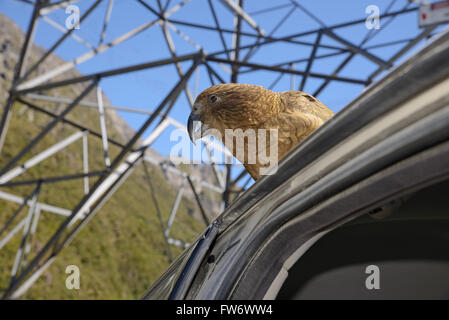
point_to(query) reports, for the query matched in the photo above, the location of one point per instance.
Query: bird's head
(231, 106)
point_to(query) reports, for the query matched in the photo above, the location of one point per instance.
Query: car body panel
(403, 114)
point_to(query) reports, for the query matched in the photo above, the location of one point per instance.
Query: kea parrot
(293, 115)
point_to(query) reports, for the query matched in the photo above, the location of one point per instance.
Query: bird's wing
(297, 101)
(293, 127)
(300, 115)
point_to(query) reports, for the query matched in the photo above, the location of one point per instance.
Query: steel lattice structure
(234, 60)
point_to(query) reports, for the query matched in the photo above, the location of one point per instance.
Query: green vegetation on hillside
(122, 250)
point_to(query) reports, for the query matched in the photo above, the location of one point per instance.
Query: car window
(398, 251)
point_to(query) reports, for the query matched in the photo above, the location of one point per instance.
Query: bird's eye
(212, 98)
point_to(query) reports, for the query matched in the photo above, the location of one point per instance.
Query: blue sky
(145, 89)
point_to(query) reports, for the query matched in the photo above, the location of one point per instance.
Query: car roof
(415, 74)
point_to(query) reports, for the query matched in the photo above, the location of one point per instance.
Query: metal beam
(270, 9)
(158, 210)
(198, 202)
(34, 223)
(307, 12)
(212, 72)
(69, 122)
(310, 62)
(306, 33)
(46, 207)
(15, 214)
(356, 49)
(217, 25)
(151, 9)
(27, 284)
(283, 70)
(292, 77)
(103, 187)
(52, 6)
(126, 109)
(176, 171)
(106, 21)
(247, 34)
(242, 174)
(370, 35)
(254, 49)
(83, 103)
(13, 232)
(54, 179)
(40, 157)
(26, 231)
(427, 31)
(190, 99)
(75, 37)
(6, 115)
(275, 82)
(109, 73)
(235, 54)
(333, 54)
(57, 43)
(173, 211)
(238, 10)
(172, 49)
(86, 164)
(104, 133)
(86, 56)
(46, 129)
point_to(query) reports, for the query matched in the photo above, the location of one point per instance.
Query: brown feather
(294, 114)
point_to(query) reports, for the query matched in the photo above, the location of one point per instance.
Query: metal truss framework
(25, 90)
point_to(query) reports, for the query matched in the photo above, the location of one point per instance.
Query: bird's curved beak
(192, 123)
(195, 127)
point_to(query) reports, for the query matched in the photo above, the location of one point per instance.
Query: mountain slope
(122, 250)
